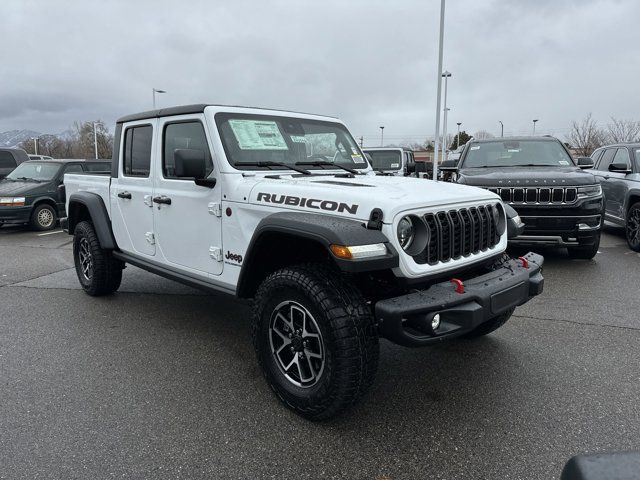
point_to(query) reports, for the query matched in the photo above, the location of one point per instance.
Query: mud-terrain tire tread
(107, 271)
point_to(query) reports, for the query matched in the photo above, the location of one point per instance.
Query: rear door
(131, 192)
(616, 183)
(189, 228)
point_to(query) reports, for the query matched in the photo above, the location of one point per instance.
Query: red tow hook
(459, 285)
(524, 261)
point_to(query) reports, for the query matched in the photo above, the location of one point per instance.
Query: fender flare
(98, 214)
(325, 230)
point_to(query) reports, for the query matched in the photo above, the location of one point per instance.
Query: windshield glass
(516, 153)
(248, 139)
(42, 172)
(385, 159)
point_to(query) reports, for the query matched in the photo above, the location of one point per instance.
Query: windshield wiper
(28, 179)
(384, 173)
(321, 163)
(268, 163)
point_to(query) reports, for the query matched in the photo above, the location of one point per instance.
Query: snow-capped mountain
(14, 137)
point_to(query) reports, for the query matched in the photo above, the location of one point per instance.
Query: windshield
(517, 153)
(385, 159)
(42, 172)
(251, 139)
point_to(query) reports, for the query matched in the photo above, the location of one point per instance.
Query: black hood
(9, 187)
(525, 176)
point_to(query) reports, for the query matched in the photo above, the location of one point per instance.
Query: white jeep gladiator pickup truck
(282, 208)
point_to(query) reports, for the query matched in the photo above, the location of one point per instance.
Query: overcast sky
(369, 62)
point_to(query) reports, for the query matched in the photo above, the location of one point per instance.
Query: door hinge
(148, 200)
(215, 253)
(151, 238)
(215, 209)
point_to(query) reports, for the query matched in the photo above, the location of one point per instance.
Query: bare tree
(585, 136)
(619, 131)
(482, 135)
(80, 144)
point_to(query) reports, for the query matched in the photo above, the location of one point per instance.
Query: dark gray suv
(617, 168)
(10, 158)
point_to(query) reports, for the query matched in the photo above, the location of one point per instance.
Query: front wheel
(633, 227)
(43, 217)
(315, 339)
(98, 272)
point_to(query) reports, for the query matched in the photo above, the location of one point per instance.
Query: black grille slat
(545, 195)
(505, 194)
(570, 195)
(535, 195)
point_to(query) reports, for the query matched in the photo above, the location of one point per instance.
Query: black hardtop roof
(13, 149)
(187, 109)
(546, 138)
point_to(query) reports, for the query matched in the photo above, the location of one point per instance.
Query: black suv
(559, 203)
(10, 158)
(617, 167)
(30, 193)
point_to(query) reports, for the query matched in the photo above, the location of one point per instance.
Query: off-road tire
(490, 325)
(43, 217)
(632, 227)
(584, 252)
(106, 272)
(347, 329)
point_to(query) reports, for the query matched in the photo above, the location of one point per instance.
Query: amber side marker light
(358, 251)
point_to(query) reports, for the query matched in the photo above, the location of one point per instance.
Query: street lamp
(439, 83)
(534, 127)
(95, 139)
(501, 128)
(446, 76)
(155, 90)
(35, 145)
(458, 143)
(382, 136)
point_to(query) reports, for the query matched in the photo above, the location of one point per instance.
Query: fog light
(435, 322)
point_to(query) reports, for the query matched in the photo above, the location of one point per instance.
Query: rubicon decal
(329, 205)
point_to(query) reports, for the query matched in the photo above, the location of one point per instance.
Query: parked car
(39, 157)
(559, 203)
(278, 207)
(617, 168)
(10, 158)
(391, 160)
(31, 195)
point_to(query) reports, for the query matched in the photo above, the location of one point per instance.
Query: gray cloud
(371, 63)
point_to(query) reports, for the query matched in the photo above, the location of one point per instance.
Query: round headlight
(405, 232)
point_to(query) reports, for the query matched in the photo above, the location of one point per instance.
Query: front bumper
(559, 230)
(406, 319)
(15, 214)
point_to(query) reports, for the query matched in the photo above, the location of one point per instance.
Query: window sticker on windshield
(513, 150)
(477, 147)
(563, 162)
(258, 135)
(395, 165)
(357, 158)
(298, 138)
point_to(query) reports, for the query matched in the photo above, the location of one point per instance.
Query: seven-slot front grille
(537, 195)
(457, 233)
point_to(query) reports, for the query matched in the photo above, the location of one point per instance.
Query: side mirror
(585, 162)
(619, 168)
(448, 166)
(191, 163)
(62, 193)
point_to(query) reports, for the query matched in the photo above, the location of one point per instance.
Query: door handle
(126, 195)
(162, 200)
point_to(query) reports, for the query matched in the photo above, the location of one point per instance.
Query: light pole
(155, 90)
(382, 136)
(446, 76)
(534, 126)
(95, 139)
(439, 83)
(35, 145)
(501, 128)
(458, 142)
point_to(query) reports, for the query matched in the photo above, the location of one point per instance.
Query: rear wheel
(633, 227)
(43, 217)
(315, 339)
(98, 272)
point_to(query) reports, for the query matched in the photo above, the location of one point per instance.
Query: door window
(75, 168)
(7, 160)
(137, 151)
(622, 156)
(184, 135)
(606, 159)
(595, 156)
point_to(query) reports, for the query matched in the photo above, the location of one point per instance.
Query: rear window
(98, 167)
(7, 160)
(137, 151)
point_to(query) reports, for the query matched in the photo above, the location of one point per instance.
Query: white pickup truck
(282, 208)
(392, 160)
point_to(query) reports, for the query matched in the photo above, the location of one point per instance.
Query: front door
(616, 184)
(187, 217)
(603, 175)
(131, 191)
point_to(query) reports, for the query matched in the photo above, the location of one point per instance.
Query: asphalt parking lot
(160, 381)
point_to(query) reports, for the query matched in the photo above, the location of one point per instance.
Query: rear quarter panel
(80, 182)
